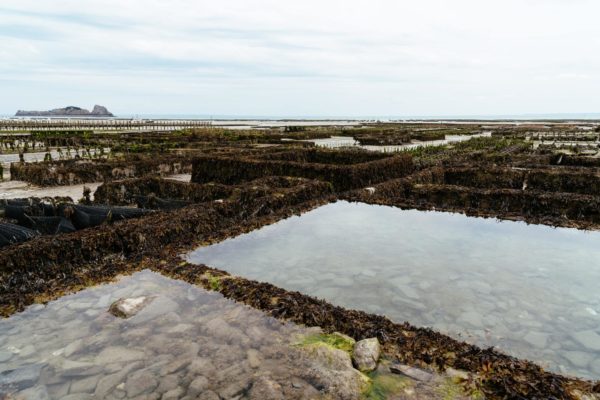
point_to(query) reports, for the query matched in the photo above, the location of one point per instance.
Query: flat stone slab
(589, 339)
(411, 372)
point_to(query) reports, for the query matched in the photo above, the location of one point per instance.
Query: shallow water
(530, 290)
(336, 142)
(73, 348)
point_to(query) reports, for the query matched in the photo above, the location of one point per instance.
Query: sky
(302, 58)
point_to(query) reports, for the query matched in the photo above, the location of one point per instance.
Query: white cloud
(326, 57)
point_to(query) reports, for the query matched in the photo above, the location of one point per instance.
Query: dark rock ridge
(98, 111)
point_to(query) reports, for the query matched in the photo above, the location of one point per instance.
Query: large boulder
(332, 370)
(366, 354)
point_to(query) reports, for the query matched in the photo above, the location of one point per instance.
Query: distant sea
(510, 117)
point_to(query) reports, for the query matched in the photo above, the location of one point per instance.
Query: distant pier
(89, 124)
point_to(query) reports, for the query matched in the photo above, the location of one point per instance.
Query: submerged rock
(140, 382)
(118, 354)
(411, 372)
(589, 339)
(265, 388)
(125, 308)
(22, 377)
(366, 354)
(34, 393)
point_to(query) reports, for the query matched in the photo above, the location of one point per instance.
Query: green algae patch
(384, 386)
(336, 340)
(454, 389)
(214, 282)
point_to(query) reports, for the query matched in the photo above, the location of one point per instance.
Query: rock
(198, 385)
(27, 351)
(118, 354)
(34, 393)
(578, 358)
(101, 110)
(110, 382)
(107, 384)
(59, 390)
(366, 354)
(472, 318)
(179, 328)
(140, 382)
(411, 372)
(79, 368)
(457, 374)
(174, 366)
(265, 389)
(85, 385)
(161, 306)
(235, 388)
(219, 328)
(329, 357)
(536, 339)
(589, 339)
(5, 356)
(78, 396)
(73, 347)
(253, 358)
(370, 190)
(173, 394)
(331, 370)
(126, 308)
(98, 111)
(201, 366)
(24, 376)
(167, 383)
(208, 395)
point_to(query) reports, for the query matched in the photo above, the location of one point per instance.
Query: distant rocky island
(70, 111)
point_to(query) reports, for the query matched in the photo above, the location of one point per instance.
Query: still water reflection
(530, 290)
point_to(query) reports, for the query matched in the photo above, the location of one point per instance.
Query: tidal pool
(187, 341)
(530, 290)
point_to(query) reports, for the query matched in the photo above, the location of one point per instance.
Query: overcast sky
(301, 58)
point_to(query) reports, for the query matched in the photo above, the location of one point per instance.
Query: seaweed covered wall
(29, 270)
(358, 169)
(56, 173)
(126, 192)
(545, 195)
